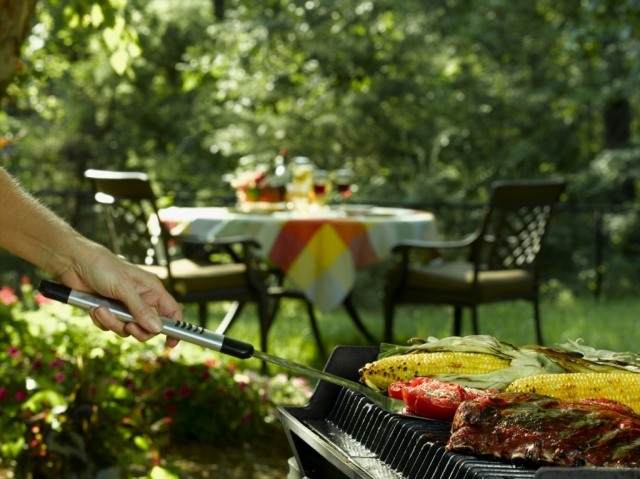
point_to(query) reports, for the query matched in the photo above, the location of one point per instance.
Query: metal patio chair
(503, 261)
(136, 233)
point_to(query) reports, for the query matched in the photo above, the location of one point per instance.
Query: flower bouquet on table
(259, 186)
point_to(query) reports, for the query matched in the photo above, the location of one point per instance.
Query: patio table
(320, 251)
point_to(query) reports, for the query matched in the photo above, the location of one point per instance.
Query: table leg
(355, 318)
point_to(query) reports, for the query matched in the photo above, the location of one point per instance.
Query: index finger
(146, 308)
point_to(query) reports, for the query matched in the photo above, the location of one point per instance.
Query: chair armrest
(427, 244)
(237, 248)
(226, 241)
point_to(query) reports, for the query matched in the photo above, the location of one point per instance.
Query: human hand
(95, 269)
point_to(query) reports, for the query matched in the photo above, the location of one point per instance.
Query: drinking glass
(301, 187)
(320, 187)
(343, 179)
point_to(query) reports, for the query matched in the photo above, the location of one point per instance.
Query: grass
(605, 324)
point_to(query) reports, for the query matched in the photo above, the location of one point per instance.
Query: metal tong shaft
(208, 339)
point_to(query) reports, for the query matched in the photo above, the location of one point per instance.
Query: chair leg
(265, 317)
(202, 314)
(310, 312)
(233, 312)
(457, 320)
(536, 318)
(355, 317)
(389, 312)
(315, 329)
(474, 320)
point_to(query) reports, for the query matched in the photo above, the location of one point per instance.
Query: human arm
(31, 231)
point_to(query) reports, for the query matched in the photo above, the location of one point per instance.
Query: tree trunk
(15, 24)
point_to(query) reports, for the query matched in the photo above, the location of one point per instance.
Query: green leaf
(44, 399)
(119, 61)
(96, 15)
(142, 442)
(11, 449)
(161, 473)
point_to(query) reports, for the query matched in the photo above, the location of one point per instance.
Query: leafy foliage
(428, 101)
(76, 401)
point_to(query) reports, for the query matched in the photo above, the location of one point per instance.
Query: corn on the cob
(381, 373)
(622, 387)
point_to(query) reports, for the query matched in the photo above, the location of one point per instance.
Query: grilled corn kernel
(622, 387)
(381, 373)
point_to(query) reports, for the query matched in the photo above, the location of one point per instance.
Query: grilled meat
(540, 430)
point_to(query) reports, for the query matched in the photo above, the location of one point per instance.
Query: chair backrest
(515, 223)
(131, 215)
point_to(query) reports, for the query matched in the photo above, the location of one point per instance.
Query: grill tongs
(202, 337)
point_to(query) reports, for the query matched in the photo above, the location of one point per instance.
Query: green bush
(77, 401)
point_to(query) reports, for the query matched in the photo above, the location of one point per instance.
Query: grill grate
(342, 434)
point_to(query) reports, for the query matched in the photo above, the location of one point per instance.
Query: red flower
(7, 296)
(21, 395)
(242, 385)
(3, 393)
(41, 299)
(14, 352)
(168, 393)
(56, 363)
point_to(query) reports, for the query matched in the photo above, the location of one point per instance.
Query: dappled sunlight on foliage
(76, 400)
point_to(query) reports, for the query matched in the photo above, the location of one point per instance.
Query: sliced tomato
(434, 399)
(395, 389)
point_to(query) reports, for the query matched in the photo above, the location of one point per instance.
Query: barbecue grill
(340, 433)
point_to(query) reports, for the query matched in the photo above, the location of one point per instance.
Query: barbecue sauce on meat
(540, 430)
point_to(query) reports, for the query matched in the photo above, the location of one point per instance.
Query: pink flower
(7, 296)
(242, 385)
(56, 363)
(41, 299)
(59, 377)
(21, 395)
(3, 393)
(14, 352)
